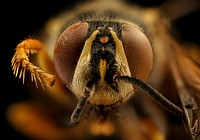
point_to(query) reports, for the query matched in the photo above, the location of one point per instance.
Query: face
(90, 54)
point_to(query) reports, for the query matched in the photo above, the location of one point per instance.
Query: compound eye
(138, 51)
(68, 49)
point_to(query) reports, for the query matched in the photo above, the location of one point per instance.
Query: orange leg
(21, 61)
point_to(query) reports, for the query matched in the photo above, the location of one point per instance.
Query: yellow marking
(119, 46)
(103, 49)
(78, 82)
(104, 39)
(120, 50)
(102, 69)
(88, 43)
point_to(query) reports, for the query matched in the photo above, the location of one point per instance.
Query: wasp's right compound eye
(68, 49)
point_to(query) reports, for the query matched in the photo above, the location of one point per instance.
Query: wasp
(107, 54)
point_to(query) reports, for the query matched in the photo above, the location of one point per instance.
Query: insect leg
(153, 93)
(20, 59)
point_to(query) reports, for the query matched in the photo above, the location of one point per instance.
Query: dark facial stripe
(103, 54)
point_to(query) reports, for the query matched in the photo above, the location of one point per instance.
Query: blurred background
(22, 18)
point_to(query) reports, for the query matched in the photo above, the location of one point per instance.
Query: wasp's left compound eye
(68, 49)
(138, 51)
